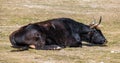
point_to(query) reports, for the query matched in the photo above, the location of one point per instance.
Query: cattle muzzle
(105, 42)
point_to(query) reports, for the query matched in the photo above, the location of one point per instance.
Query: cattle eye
(37, 35)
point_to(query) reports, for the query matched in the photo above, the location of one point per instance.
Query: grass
(14, 13)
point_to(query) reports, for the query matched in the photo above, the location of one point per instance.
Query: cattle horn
(100, 20)
(93, 24)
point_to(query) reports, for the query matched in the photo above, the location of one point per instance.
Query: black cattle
(56, 34)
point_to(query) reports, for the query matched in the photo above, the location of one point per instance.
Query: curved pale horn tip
(100, 20)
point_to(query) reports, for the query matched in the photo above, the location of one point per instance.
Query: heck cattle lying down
(56, 34)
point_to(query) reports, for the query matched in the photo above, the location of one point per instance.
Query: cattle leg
(77, 42)
(52, 47)
(42, 46)
(49, 47)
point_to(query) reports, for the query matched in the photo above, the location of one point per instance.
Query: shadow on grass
(84, 44)
(92, 45)
(19, 49)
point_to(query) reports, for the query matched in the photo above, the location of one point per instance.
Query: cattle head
(95, 35)
(26, 36)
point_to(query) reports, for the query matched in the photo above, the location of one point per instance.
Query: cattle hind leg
(15, 45)
(50, 47)
(20, 48)
(24, 48)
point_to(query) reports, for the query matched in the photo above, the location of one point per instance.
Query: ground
(16, 13)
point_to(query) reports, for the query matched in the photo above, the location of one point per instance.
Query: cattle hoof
(53, 47)
(32, 46)
(58, 48)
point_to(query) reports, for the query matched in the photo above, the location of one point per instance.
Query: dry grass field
(16, 13)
